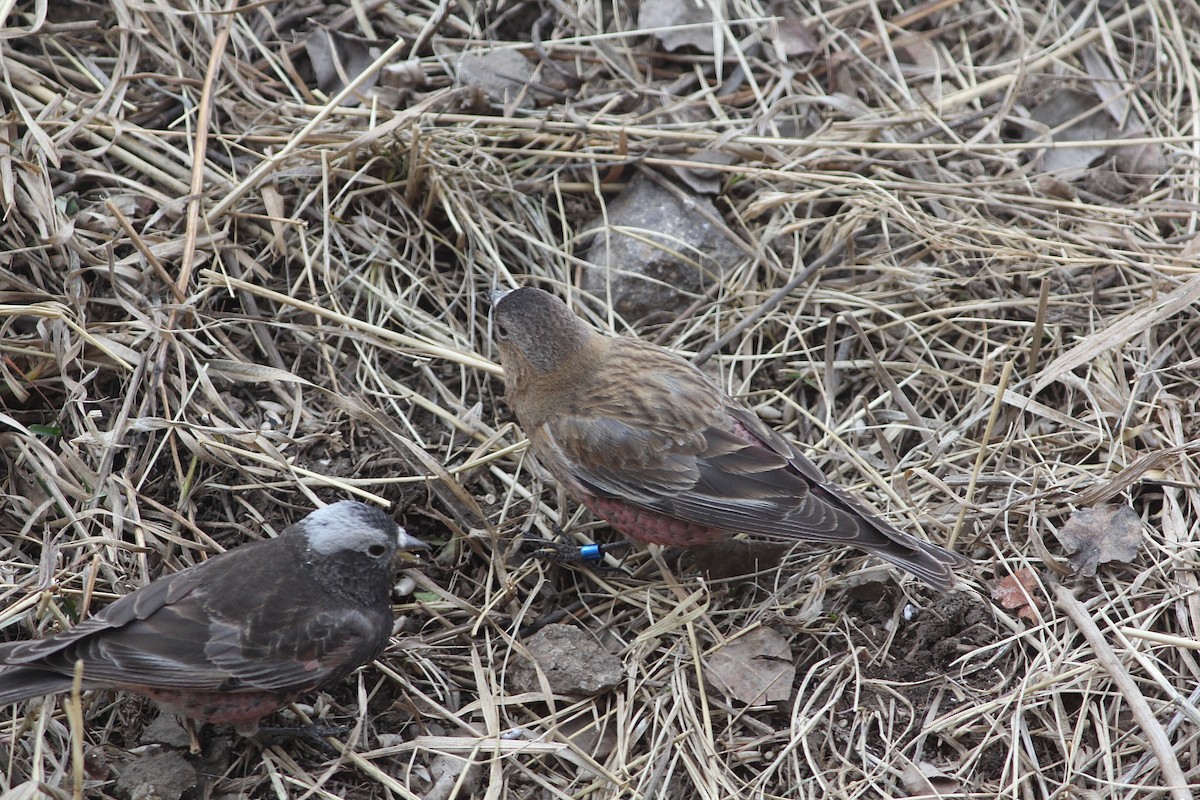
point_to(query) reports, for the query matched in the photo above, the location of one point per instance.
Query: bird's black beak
(410, 549)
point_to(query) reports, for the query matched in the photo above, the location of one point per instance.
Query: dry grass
(223, 296)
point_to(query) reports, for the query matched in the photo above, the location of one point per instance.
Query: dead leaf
(702, 178)
(1107, 85)
(1057, 113)
(754, 668)
(1142, 164)
(338, 58)
(1070, 117)
(1056, 187)
(1191, 250)
(1017, 593)
(927, 780)
(1101, 534)
(922, 53)
(679, 24)
(405, 75)
(503, 74)
(793, 33)
(1101, 232)
(587, 735)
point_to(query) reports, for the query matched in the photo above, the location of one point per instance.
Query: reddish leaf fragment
(1018, 592)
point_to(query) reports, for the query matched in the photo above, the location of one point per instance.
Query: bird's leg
(548, 548)
(190, 726)
(557, 552)
(566, 553)
(597, 561)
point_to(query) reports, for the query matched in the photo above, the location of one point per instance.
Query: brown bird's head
(537, 335)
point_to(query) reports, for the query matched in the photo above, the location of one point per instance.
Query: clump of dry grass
(224, 297)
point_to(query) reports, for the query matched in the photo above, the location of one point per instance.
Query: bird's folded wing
(133, 606)
(207, 629)
(626, 460)
(726, 478)
(182, 646)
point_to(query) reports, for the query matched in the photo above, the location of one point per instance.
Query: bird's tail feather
(935, 565)
(22, 683)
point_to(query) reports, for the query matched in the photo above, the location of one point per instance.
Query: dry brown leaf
(503, 74)
(677, 24)
(927, 780)
(1057, 113)
(793, 33)
(1101, 534)
(1073, 116)
(922, 53)
(1191, 250)
(1107, 85)
(754, 668)
(338, 58)
(405, 74)
(1017, 593)
(1140, 163)
(702, 178)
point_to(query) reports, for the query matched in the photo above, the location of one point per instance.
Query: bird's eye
(376, 551)
(501, 331)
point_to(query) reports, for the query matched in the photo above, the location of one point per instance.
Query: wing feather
(206, 629)
(724, 469)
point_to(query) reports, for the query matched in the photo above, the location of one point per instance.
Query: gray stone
(573, 661)
(501, 74)
(168, 730)
(674, 254)
(155, 776)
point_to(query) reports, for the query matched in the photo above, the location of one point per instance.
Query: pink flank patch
(650, 526)
(216, 707)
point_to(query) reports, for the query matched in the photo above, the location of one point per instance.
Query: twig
(1172, 774)
(770, 303)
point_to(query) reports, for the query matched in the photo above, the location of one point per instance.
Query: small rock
(676, 254)
(156, 776)
(167, 730)
(501, 74)
(95, 764)
(448, 779)
(573, 661)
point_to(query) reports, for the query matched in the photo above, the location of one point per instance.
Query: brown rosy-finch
(647, 442)
(238, 636)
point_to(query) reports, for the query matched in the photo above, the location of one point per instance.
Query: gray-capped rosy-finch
(238, 636)
(647, 442)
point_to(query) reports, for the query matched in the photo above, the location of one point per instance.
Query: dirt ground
(949, 248)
